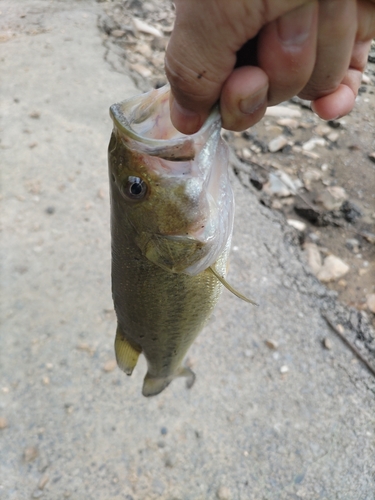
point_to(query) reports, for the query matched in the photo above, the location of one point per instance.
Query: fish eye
(135, 188)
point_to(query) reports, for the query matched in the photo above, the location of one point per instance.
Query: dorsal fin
(230, 288)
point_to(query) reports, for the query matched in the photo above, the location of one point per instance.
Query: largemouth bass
(171, 223)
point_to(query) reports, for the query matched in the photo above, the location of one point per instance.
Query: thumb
(198, 61)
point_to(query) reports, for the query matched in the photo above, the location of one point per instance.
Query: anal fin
(126, 354)
(230, 288)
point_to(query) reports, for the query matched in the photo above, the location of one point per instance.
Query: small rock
(146, 28)
(35, 115)
(275, 186)
(342, 283)
(297, 224)
(372, 157)
(351, 211)
(37, 494)
(353, 245)
(311, 154)
(313, 174)
(370, 237)
(311, 143)
(145, 50)
(278, 143)
(370, 301)
(313, 237)
(30, 453)
(365, 79)
(245, 153)
(276, 205)
(279, 111)
(313, 257)
(142, 70)
(50, 210)
(3, 423)
(327, 343)
(284, 369)
(223, 493)
(333, 136)
(118, 33)
(322, 130)
(281, 184)
(332, 198)
(271, 344)
(160, 43)
(110, 365)
(288, 122)
(43, 481)
(163, 431)
(333, 268)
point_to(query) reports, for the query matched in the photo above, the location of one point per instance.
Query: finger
(243, 100)
(287, 49)
(200, 56)
(341, 101)
(336, 35)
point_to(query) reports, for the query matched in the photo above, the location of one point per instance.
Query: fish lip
(180, 148)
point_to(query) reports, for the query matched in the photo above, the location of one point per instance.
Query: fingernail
(185, 120)
(294, 28)
(253, 102)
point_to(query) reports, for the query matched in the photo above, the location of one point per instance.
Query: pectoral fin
(172, 253)
(126, 354)
(229, 287)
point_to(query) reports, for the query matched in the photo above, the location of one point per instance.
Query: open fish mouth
(145, 124)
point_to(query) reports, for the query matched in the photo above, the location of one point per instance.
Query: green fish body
(171, 224)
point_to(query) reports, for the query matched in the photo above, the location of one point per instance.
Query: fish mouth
(144, 122)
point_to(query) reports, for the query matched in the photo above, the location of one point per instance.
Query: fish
(172, 211)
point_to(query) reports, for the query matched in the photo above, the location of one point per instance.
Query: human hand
(316, 49)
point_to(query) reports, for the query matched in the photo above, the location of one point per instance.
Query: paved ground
(73, 424)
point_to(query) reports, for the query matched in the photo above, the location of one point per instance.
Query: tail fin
(155, 385)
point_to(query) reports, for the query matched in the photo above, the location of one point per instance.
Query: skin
(316, 49)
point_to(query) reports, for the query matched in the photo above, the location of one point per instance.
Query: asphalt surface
(296, 422)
